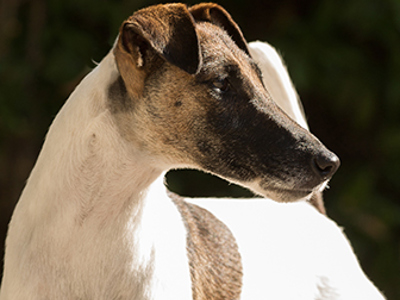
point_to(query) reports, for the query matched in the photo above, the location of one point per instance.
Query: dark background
(343, 56)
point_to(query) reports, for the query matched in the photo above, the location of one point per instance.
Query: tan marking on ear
(215, 262)
(131, 71)
(159, 31)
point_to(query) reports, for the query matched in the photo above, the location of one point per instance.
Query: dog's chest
(96, 265)
(147, 260)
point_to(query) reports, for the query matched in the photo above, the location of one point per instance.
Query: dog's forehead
(218, 50)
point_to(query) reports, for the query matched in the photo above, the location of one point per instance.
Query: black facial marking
(119, 99)
(245, 143)
(247, 136)
(178, 103)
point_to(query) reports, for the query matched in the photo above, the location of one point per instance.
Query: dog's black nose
(325, 164)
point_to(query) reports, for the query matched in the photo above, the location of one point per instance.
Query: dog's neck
(90, 196)
(90, 164)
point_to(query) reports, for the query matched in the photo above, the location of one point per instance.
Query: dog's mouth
(286, 194)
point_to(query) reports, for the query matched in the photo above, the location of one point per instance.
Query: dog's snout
(325, 164)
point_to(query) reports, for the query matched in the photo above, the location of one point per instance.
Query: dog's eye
(222, 85)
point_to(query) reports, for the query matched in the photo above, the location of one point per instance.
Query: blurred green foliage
(343, 56)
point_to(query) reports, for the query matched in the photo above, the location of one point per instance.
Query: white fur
(94, 221)
(86, 226)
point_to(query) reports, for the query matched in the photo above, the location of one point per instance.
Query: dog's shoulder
(215, 262)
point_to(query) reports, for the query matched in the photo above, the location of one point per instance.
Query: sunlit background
(343, 56)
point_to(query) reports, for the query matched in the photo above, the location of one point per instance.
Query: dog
(179, 89)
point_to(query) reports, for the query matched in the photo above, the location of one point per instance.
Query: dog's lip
(282, 193)
(287, 194)
(295, 195)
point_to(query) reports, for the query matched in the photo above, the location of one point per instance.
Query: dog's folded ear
(215, 14)
(167, 31)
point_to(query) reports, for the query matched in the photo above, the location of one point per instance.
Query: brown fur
(215, 263)
(159, 30)
(174, 110)
(215, 14)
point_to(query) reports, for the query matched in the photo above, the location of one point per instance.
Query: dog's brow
(232, 69)
(213, 68)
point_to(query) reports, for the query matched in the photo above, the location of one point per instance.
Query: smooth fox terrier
(181, 88)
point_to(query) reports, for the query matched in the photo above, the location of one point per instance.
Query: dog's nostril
(326, 165)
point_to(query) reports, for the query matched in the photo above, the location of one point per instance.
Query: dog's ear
(167, 31)
(214, 13)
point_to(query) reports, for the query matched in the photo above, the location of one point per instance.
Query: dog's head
(190, 95)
